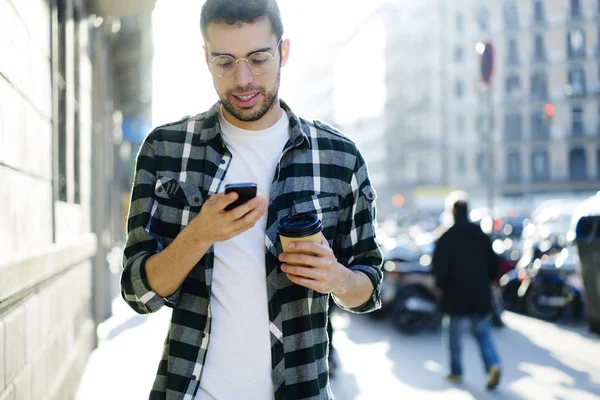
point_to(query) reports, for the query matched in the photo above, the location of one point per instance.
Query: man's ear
(285, 51)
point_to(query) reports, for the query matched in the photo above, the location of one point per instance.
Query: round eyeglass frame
(237, 60)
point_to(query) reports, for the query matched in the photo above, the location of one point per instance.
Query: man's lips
(245, 99)
(246, 96)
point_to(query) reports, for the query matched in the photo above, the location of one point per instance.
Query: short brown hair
(232, 12)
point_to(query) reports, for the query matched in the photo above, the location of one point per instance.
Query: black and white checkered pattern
(182, 164)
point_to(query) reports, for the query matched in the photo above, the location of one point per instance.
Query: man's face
(244, 95)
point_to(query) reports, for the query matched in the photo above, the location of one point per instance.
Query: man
(246, 323)
(465, 266)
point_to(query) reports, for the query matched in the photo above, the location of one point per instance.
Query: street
(541, 361)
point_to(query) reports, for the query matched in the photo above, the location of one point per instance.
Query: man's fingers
(247, 207)
(313, 248)
(303, 271)
(222, 200)
(248, 220)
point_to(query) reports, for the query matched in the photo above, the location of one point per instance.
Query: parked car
(507, 237)
(510, 281)
(395, 263)
(586, 235)
(408, 293)
(550, 286)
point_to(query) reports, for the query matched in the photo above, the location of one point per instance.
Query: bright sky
(182, 83)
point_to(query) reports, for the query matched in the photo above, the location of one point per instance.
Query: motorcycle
(393, 267)
(550, 287)
(409, 296)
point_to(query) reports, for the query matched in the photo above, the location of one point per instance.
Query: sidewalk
(124, 364)
(541, 361)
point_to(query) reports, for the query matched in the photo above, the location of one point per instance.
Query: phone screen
(246, 191)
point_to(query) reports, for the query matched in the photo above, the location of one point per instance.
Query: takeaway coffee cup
(304, 227)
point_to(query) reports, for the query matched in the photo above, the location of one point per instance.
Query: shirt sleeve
(355, 244)
(141, 244)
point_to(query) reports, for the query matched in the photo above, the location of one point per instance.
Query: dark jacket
(465, 265)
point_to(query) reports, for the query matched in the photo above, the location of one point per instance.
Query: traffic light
(548, 114)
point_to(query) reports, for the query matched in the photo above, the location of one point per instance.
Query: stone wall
(46, 326)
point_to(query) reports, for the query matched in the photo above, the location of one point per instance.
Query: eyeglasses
(258, 63)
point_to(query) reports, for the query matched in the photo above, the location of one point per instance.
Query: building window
(61, 98)
(539, 129)
(511, 15)
(458, 89)
(483, 18)
(513, 52)
(76, 109)
(66, 111)
(598, 119)
(540, 165)
(513, 86)
(460, 124)
(461, 167)
(483, 166)
(576, 43)
(539, 49)
(577, 86)
(577, 121)
(484, 125)
(598, 40)
(578, 165)
(459, 22)
(458, 54)
(539, 86)
(538, 12)
(575, 8)
(513, 166)
(513, 126)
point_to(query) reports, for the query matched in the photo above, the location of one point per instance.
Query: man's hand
(214, 224)
(167, 269)
(318, 269)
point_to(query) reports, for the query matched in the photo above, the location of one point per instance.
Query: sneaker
(493, 378)
(457, 379)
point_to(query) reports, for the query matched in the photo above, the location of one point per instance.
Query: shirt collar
(211, 128)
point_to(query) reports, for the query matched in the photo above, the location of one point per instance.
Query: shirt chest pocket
(325, 205)
(177, 203)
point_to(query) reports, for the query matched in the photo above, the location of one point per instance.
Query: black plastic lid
(299, 225)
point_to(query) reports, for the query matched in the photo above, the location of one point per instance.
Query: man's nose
(243, 75)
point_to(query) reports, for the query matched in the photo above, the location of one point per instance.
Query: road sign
(487, 62)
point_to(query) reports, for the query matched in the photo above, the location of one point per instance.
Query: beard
(259, 110)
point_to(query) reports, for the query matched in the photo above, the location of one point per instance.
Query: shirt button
(223, 161)
(193, 377)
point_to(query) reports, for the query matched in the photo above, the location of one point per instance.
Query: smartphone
(246, 191)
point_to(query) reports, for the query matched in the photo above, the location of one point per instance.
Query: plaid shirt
(179, 166)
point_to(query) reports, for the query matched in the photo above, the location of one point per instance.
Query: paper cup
(304, 227)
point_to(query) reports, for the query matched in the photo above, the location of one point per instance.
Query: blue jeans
(480, 328)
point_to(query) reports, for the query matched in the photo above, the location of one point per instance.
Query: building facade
(55, 109)
(535, 131)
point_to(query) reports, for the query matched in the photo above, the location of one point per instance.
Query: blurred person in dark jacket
(465, 266)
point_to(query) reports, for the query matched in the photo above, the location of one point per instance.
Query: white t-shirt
(238, 360)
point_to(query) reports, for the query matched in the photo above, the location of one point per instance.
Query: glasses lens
(260, 63)
(223, 65)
